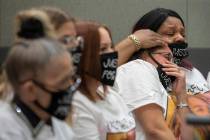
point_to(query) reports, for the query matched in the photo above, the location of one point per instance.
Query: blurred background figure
(42, 90)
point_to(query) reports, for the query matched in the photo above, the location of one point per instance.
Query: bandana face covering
(165, 79)
(179, 51)
(60, 104)
(109, 62)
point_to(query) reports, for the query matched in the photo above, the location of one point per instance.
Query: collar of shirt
(29, 117)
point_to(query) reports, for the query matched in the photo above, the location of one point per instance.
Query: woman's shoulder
(194, 73)
(83, 104)
(137, 66)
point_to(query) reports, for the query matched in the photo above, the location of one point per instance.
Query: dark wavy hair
(154, 19)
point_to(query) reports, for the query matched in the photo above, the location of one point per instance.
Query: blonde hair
(4, 86)
(57, 16)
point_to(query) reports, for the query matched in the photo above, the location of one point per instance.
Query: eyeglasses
(73, 87)
(69, 39)
(167, 55)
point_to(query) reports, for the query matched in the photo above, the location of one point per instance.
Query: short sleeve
(195, 81)
(84, 123)
(138, 84)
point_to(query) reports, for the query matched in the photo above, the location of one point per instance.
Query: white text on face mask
(107, 74)
(180, 52)
(110, 63)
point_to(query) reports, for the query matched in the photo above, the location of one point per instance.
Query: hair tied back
(31, 28)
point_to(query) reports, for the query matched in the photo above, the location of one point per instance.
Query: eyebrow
(172, 26)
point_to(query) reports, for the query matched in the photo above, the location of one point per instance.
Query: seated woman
(99, 115)
(170, 26)
(142, 83)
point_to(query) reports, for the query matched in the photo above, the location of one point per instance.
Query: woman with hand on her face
(170, 26)
(141, 84)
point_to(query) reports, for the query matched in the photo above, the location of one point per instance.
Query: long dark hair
(153, 20)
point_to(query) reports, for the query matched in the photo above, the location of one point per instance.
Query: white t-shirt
(138, 83)
(101, 120)
(12, 127)
(195, 82)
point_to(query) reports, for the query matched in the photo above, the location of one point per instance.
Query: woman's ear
(28, 91)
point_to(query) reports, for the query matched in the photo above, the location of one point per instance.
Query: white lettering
(110, 63)
(109, 75)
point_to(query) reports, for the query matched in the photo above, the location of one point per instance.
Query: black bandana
(165, 79)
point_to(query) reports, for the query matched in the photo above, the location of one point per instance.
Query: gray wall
(119, 15)
(200, 58)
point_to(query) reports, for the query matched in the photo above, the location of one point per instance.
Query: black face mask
(76, 53)
(179, 51)
(109, 62)
(60, 104)
(165, 79)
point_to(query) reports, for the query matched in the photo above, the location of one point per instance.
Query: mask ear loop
(150, 54)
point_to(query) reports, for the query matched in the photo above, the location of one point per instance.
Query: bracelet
(135, 40)
(181, 105)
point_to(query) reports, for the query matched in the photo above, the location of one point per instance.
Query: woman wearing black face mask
(99, 115)
(142, 91)
(170, 26)
(142, 85)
